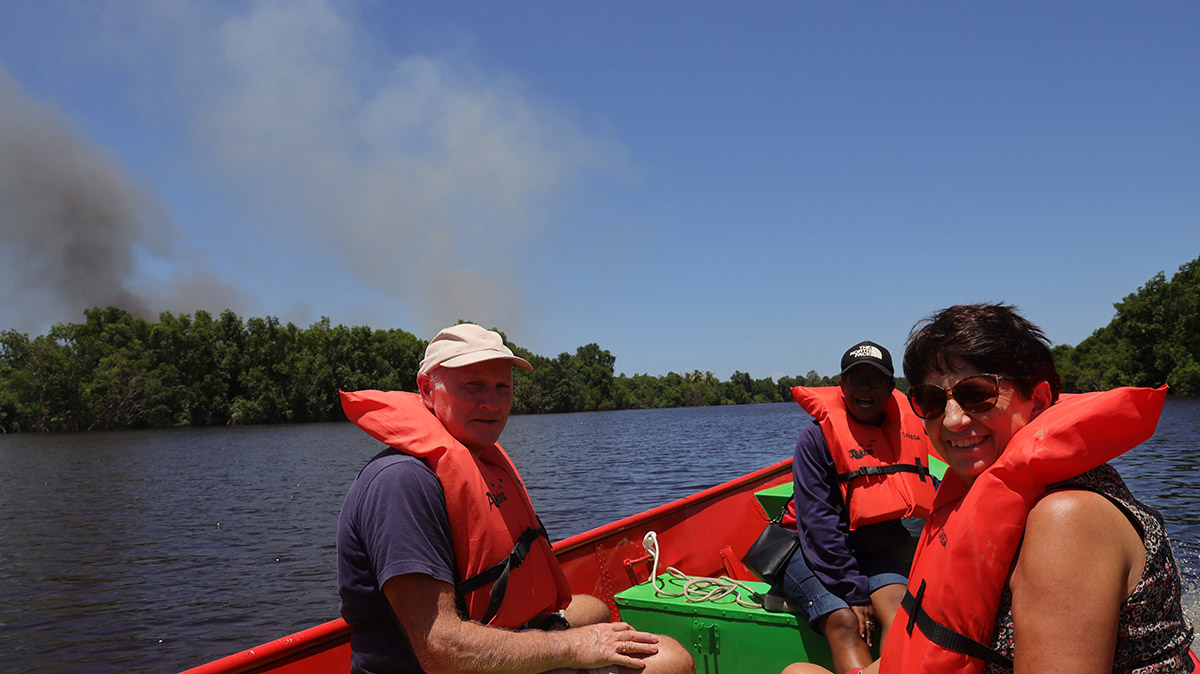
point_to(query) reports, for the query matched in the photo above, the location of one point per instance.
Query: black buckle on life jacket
(497, 574)
(921, 470)
(944, 636)
(517, 557)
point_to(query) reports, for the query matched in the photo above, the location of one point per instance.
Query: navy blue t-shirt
(393, 522)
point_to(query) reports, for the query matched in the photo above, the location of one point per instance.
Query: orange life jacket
(969, 541)
(498, 539)
(883, 471)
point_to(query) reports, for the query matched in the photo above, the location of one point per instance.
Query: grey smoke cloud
(423, 176)
(71, 219)
(74, 225)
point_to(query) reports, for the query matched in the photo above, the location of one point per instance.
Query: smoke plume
(421, 177)
(70, 217)
(73, 224)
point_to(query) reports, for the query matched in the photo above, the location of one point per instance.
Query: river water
(155, 551)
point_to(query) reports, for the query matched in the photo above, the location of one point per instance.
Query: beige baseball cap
(466, 344)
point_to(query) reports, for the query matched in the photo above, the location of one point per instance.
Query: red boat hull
(704, 534)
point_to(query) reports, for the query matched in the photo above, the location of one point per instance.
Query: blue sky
(691, 185)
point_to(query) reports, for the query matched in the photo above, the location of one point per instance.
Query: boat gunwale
(590, 536)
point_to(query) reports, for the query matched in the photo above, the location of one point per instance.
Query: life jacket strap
(944, 636)
(917, 467)
(497, 574)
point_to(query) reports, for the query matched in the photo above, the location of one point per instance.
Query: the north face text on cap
(866, 351)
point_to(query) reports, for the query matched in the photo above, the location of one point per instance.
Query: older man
(427, 529)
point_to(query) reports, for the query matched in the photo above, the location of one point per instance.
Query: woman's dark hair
(991, 337)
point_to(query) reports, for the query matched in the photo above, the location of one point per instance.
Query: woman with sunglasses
(1036, 557)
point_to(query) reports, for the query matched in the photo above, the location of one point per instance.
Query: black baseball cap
(870, 353)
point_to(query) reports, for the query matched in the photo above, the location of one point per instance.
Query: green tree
(739, 390)
(1153, 339)
(264, 383)
(39, 386)
(590, 372)
(118, 374)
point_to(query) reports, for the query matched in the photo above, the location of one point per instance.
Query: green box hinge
(706, 637)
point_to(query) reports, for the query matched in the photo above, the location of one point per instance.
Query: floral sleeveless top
(1153, 634)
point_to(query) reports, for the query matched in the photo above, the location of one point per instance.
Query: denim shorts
(809, 596)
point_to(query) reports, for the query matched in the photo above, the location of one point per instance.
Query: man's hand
(605, 644)
(443, 642)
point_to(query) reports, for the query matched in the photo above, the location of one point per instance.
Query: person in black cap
(862, 484)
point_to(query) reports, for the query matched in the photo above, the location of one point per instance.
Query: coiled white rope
(696, 588)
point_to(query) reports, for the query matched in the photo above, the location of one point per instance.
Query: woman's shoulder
(1106, 481)
(1097, 497)
(1091, 511)
(1083, 531)
(1074, 512)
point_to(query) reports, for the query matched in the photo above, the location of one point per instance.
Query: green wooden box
(723, 636)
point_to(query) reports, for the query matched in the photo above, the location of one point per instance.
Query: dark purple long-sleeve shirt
(829, 547)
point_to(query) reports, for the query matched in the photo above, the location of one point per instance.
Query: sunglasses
(975, 394)
(857, 380)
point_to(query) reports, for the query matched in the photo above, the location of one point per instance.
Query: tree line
(1154, 339)
(115, 370)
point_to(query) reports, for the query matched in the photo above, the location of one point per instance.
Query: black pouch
(770, 554)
